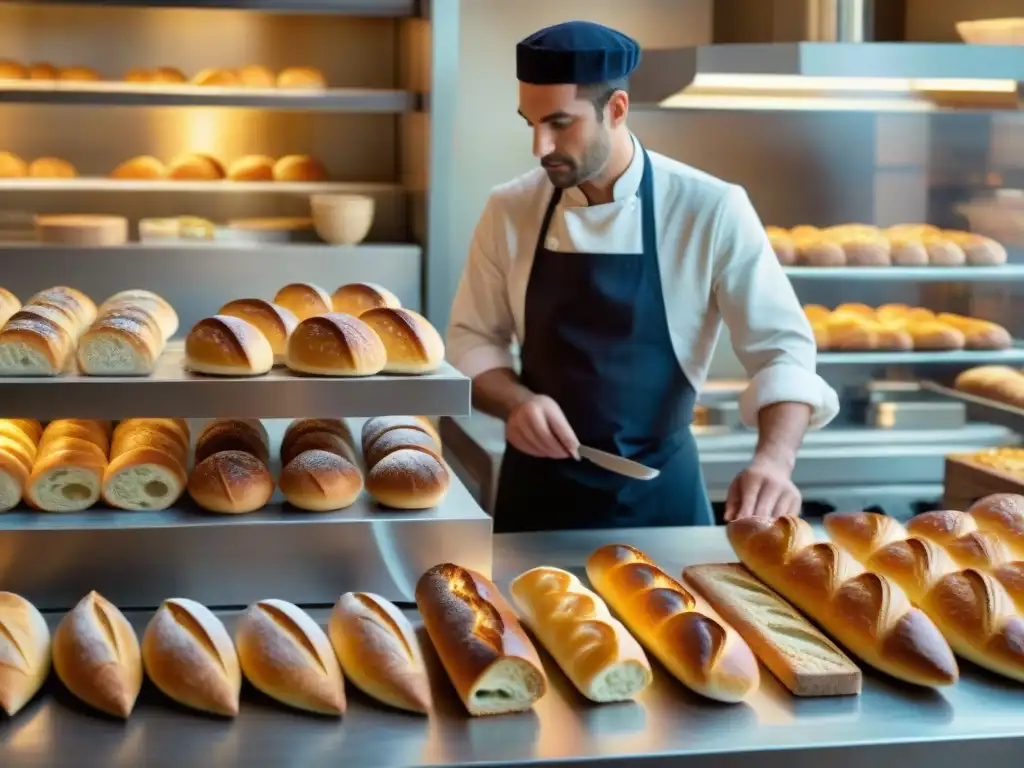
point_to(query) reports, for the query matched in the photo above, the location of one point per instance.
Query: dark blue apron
(597, 342)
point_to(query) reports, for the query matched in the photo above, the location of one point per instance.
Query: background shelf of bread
(998, 383)
(72, 465)
(44, 74)
(898, 327)
(865, 245)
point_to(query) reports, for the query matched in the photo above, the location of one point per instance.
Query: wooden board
(966, 482)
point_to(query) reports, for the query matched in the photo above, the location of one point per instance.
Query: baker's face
(570, 141)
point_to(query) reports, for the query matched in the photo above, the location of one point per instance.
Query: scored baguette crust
(189, 656)
(286, 655)
(804, 659)
(702, 652)
(488, 656)
(96, 655)
(24, 652)
(866, 612)
(862, 534)
(1002, 515)
(958, 534)
(378, 651)
(596, 652)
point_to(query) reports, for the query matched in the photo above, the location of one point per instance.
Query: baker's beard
(575, 172)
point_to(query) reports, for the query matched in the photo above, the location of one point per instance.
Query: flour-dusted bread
(275, 322)
(152, 303)
(226, 346)
(231, 483)
(320, 481)
(24, 652)
(357, 298)
(409, 478)
(120, 345)
(412, 344)
(336, 344)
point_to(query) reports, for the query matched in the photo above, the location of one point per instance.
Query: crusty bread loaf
(865, 611)
(96, 655)
(84, 429)
(74, 444)
(15, 439)
(304, 300)
(24, 652)
(140, 168)
(143, 478)
(9, 304)
(318, 441)
(65, 481)
(51, 168)
(231, 482)
(252, 168)
(256, 76)
(1011, 576)
(801, 657)
(1002, 515)
(151, 303)
(189, 656)
(301, 427)
(412, 344)
(299, 168)
(33, 428)
(78, 74)
(120, 345)
(70, 300)
(195, 167)
(320, 481)
(216, 76)
(399, 439)
(169, 435)
(286, 655)
(232, 435)
(958, 534)
(34, 345)
(409, 478)
(335, 344)
(488, 656)
(42, 70)
(274, 321)
(862, 534)
(378, 651)
(301, 77)
(594, 650)
(702, 652)
(376, 426)
(255, 424)
(979, 251)
(978, 334)
(226, 346)
(356, 298)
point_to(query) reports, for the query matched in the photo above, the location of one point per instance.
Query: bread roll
(820, 253)
(301, 427)
(12, 166)
(943, 252)
(119, 346)
(801, 657)
(409, 478)
(138, 75)
(782, 244)
(378, 651)
(909, 253)
(168, 75)
(51, 168)
(318, 441)
(400, 439)
(9, 304)
(226, 346)
(320, 481)
(979, 251)
(172, 436)
(83, 429)
(413, 345)
(304, 300)
(487, 655)
(299, 168)
(912, 231)
(231, 435)
(255, 424)
(851, 332)
(356, 298)
(13, 480)
(996, 382)
(216, 76)
(96, 655)
(301, 77)
(24, 652)
(189, 656)
(65, 481)
(376, 426)
(252, 168)
(195, 167)
(933, 335)
(141, 168)
(78, 74)
(867, 250)
(703, 653)
(153, 304)
(144, 478)
(33, 345)
(287, 656)
(231, 483)
(1002, 516)
(957, 533)
(273, 321)
(865, 611)
(336, 345)
(74, 301)
(11, 70)
(596, 652)
(256, 76)
(978, 334)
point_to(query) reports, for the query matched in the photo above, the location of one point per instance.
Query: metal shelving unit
(908, 274)
(956, 358)
(164, 186)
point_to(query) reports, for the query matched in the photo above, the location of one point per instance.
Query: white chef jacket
(716, 266)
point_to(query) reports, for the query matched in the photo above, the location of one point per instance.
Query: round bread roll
(78, 74)
(409, 478)
(144, 478)
(805, 232)
(866, 250)
(25, 649)
(231, 435)
(304, 300)
(148, 301)
(820, 330)
(286, 655)
(912, 231)
(819, 253)
(413, 345)
(301, 77)
(943, 252)
(299, 168)
(14, 477)
(254, 424)
(195, 167)
(141, 168)
(979, 251)
(256, 76)
(851, 332)
(168, 75)
(51, 168)
(275, 322)
(12, 166)
(96, 655)
(978, 334)
(320, 481)
(226, 346)
(336, 345)
(356, 298)
(908, 252)
(783, 245)
(139, 75)
(816, 313)
(894, 337)
(65, 481)
(252, 168)
(933, 335)
(189, 656)
(398, 439)
(376, 426)
(42, 70)
(301, 427)
(318, 441)
(892, 312)
(11, 70)
(216, 76)
(856, 308)
(231, 483)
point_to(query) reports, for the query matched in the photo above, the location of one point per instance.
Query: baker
(614, 268)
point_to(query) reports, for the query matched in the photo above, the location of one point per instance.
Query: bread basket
(342, 219)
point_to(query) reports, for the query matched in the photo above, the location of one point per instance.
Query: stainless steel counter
(979, 721)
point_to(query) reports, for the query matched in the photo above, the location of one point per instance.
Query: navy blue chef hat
(576, 53)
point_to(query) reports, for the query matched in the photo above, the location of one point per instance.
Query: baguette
(65, 481)
(378, 651)
(958, 534)
(864, 611)
(701, 651)
(24, 652)
(489, 658)
(189, 656)
(1002, 515)
(596, 652)
(801, 657)
(96, 655)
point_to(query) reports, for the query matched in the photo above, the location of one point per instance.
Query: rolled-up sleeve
(770, 333)
(481, 328)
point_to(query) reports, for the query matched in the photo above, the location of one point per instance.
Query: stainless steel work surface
(977, 721)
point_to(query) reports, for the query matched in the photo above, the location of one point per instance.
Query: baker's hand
(764, 489)
(538, 427)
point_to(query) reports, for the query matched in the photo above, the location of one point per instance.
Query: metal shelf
(959, 357)
(909, 274)
(983, 409)
(171, 391)
(379, 8)
(100, 184)
(161, 95)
